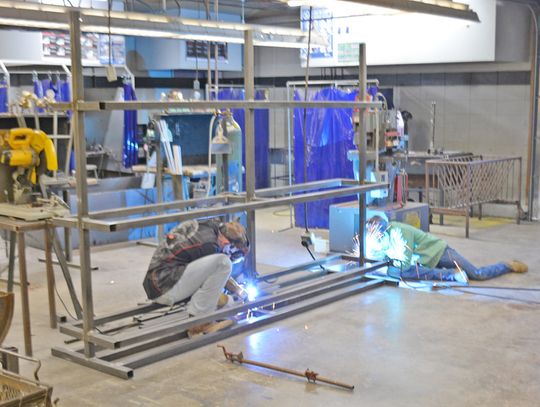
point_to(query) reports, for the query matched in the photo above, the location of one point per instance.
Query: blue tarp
(329, 135)
(130, 146)
(262, 139)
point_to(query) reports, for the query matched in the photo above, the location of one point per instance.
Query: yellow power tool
(28, 153)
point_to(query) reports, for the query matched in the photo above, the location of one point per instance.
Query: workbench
(17, 229)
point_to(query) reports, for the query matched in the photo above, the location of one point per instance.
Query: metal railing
(455, 185)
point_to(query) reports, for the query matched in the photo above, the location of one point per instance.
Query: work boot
(209, 327)
(518, 266)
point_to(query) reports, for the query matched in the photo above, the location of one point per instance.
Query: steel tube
(361, 144)
(50, 277)
(144, 334)
(77, 89)
(177, 319)
(94, 363)
(116, 225)
(176, 348)
(24, 294)
(249, 128)
(134, 210)
(305, 186)
(301, 267)
(213, 104)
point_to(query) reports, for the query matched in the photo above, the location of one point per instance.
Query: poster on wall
(393, 37)
(94, 47)
(322, 23)
(118, 46)
(56, 44)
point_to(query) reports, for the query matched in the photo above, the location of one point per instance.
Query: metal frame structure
(151, 332)
(455, 185)
(92, 353)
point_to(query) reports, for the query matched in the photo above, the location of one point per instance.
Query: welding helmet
(238, 245)
(377, 223)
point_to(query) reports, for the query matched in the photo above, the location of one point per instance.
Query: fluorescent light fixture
(33, 24)
(37, 15)
(443, 8)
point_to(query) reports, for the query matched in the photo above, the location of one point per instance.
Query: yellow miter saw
(25, 154)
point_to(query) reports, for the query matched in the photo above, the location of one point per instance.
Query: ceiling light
(444, 8)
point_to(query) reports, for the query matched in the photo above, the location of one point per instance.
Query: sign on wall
(95, 47)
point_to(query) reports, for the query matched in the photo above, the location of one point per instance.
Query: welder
(417, 255)
(193, 263)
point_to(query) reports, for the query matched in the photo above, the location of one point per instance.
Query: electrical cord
(63, 303)
(504, 288)
(304, 119)
(306, 245)
(502, 297)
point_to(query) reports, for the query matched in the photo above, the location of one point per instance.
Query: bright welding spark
(383, 244)
(252, 292)
(397, 246)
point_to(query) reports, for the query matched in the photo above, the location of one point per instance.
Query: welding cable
(491, 287)
(502, 297)
(63, 303)
(306, 245)
(304, 119)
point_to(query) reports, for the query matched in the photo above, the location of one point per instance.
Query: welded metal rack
(118, 352)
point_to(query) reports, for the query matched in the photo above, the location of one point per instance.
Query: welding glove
(236, 289)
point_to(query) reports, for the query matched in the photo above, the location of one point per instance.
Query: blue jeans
(445, 269)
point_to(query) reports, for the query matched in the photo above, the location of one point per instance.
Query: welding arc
(311, 376)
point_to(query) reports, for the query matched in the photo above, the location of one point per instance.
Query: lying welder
(194, 263)
(417, 255)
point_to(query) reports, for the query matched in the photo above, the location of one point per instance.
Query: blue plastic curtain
(329, 135)
(38, 91)
(63, 91)
(130, 146)
(262, 168)
(3, 96)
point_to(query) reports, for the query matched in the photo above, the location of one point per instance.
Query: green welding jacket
(427, 247)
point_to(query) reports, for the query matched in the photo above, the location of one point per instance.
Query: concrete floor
(397, 346)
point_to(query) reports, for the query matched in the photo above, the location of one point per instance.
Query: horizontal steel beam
(143, 334)
(114, 369)
(217, 104)
(117, 225)
(179, 347)
(301, 267)
(158, 207)
(176, 320)
(308, 186)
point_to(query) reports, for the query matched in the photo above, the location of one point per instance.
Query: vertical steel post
(159, 181)
(25, 303)
(361, 144)
(532, 170)
(520, 180)
(77, 89)
(50, 276)
(216, 50)
(249, 87)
